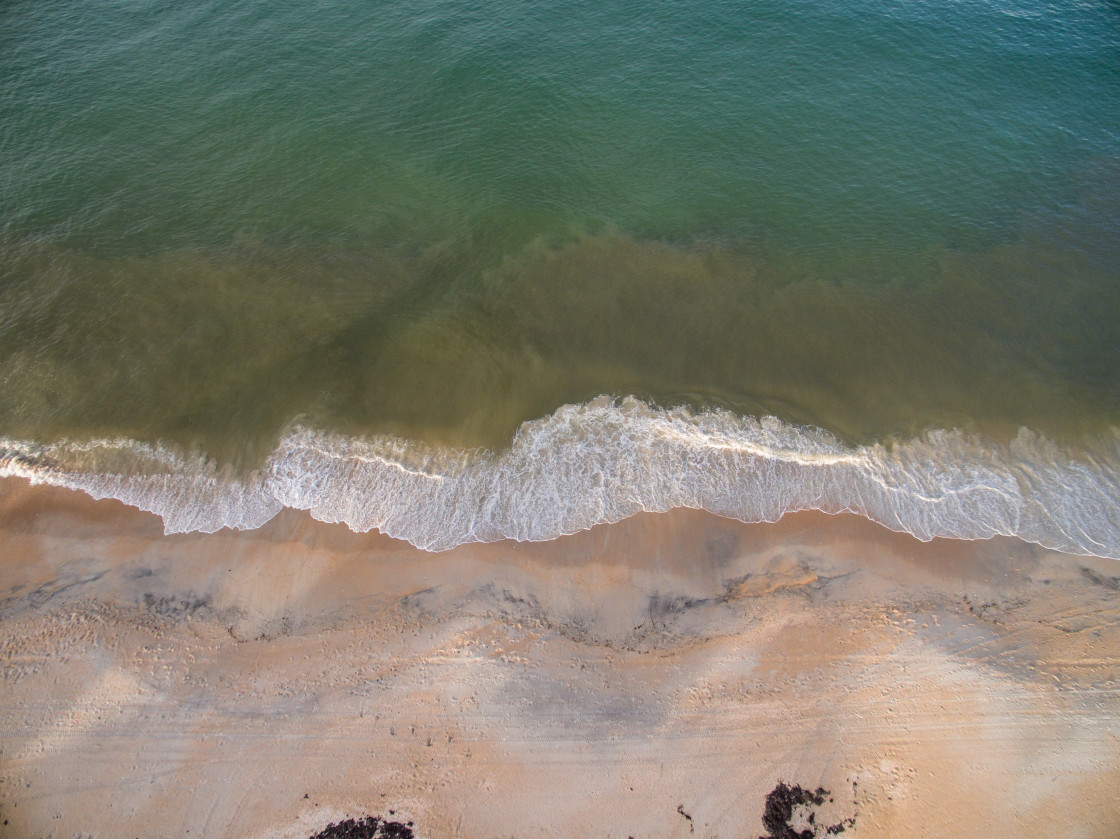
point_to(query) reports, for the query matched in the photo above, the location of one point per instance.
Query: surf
(608, 459)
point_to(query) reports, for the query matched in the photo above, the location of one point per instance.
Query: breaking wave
(606, 460)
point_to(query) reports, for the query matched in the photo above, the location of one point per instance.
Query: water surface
(226, 224)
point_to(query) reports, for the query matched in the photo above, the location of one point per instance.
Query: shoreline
(655, 677)
(606, 460)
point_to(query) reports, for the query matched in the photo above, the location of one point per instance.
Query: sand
(654, 678)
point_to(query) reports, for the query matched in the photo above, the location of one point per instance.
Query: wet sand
(654, 678)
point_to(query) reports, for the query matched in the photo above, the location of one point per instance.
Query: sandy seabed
(654, 678)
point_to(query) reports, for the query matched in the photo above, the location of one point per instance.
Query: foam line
(608, 459)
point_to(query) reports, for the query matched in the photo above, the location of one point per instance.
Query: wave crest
(608, 459)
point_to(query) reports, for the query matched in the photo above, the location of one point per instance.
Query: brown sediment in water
(462, 344)
(656, 677)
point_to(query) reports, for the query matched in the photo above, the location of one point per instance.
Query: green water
(440, 220)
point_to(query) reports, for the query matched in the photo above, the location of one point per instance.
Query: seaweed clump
(780, 804)
(370, 827)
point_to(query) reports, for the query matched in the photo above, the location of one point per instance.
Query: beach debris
(369, 827)
(680, 809)
(785, 803)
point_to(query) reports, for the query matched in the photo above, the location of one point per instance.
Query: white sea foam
(608, 459)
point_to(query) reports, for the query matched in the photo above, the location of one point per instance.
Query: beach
(559, 419)
(656, 677)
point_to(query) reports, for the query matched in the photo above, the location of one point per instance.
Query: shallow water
(226, 226)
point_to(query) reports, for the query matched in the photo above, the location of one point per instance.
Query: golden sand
(652, 678)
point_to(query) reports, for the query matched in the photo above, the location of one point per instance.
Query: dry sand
(654, 678)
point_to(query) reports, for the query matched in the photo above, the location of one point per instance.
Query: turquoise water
(227, 226)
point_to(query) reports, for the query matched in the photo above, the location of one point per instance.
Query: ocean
(466, 272)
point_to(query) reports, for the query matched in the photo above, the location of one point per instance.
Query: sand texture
(653, 678)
